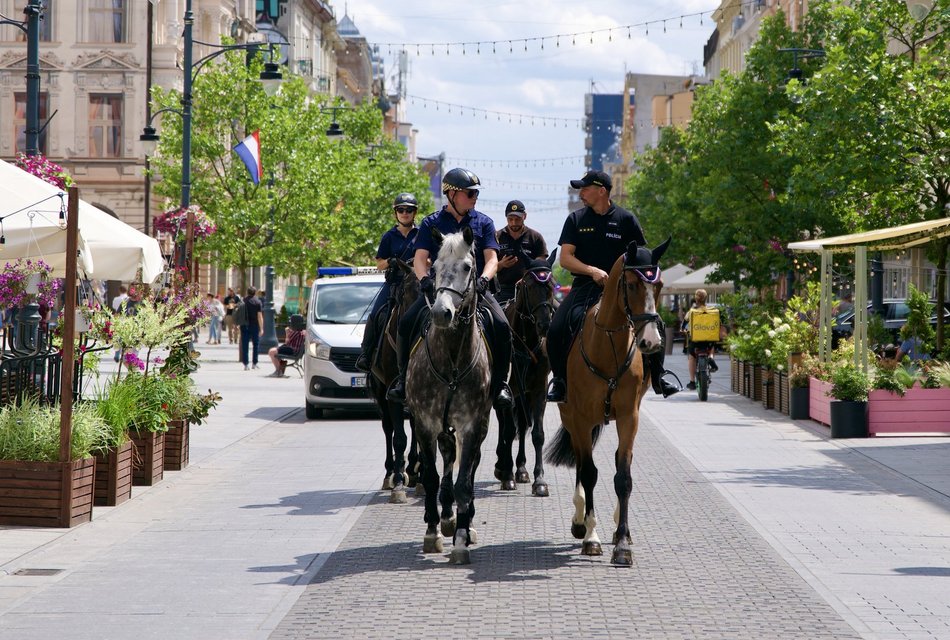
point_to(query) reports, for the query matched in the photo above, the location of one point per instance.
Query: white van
(336, 317)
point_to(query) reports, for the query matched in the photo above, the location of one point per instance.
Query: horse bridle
(649, 274)
(542, 275)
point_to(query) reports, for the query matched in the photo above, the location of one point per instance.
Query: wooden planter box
(756, 377)
(919, 411)
(766, 392)
(176, 445)
(819, 402)
(148, 458)
(46, 494)
(734, 374)
(781, 392)
(114, 476)
(745, 378)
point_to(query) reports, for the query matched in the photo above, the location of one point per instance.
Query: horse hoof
(508, 485)
(498, 474)
(398, 496)
(460, 555)
(472, 536)
(592, 548)
(522, 477)
(420, 489)
(387, 483)
(432, 544)
(579, 531)
(448, 527)
(622, 557)
(540, 490)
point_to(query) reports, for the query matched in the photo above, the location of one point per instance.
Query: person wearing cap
(591, 241)
(518, 245)
(398, 242)
(460, 188)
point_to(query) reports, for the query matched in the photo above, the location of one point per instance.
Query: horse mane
(455, 246)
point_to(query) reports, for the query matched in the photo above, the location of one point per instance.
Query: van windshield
(344, 303)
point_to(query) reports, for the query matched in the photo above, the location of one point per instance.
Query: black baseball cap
(598, 178)
(515, 207)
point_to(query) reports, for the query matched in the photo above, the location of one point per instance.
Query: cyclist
(699, 306)
(398, 242)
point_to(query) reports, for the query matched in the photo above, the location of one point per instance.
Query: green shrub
(849, 383)
(30, 431)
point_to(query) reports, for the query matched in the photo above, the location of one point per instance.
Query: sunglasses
(404, 209)
(472, 193)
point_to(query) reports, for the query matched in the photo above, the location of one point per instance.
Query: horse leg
(522, 418)
(432, 542)
(446, 494)
(398, 495)
(465, 499)
(388, 434)
(413, 460)
(540, 486)
(623, 485)
(588, 478)
(504, 467)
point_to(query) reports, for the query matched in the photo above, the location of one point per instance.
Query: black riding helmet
(459, 180)
(405, 200)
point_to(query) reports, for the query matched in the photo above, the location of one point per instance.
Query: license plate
(358, 381)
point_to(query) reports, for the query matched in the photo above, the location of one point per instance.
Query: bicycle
(703, 373)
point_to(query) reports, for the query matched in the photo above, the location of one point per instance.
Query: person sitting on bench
(292, 348)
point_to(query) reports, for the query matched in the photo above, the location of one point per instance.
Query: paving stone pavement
(700, 570)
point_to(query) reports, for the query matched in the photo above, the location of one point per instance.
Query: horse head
(454, 277)
(535, 296)
(400, 272)
(641, 291)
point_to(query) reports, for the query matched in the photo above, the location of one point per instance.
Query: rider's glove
(481, 285)
(427, 286)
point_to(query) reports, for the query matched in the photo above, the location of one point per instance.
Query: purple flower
(132, 361)
(158, 361)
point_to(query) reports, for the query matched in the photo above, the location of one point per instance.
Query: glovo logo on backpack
(704, 326)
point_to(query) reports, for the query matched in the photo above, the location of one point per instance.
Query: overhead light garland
(553, 41)
(525, 186)
(536, 162)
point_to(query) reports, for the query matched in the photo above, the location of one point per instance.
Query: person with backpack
(230, 302)
(249, 315)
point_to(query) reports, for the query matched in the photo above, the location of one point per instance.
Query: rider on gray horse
(460, 188)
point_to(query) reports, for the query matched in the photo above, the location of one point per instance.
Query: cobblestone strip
(700, 571)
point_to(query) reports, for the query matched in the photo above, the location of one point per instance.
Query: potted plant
(149, 426)
(118, 407)
(39, 489)
(799, 382)
(670, 322)
(849, 388)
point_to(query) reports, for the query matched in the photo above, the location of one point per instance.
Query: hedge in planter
(849, 388)
(35, 488)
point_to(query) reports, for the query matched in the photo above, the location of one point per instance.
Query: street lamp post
(269, 338)
(270, 77)
(31, 27)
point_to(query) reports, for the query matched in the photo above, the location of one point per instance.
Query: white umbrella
(698, 280)
(32, 228)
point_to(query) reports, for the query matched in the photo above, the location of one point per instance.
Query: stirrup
(397, 392)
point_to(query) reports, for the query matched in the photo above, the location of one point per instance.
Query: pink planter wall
(919, 411)
(819, 403)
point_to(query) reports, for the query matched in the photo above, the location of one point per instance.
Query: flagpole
(269, 337)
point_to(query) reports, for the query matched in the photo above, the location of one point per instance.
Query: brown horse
(383, 373)
(529, 314)
(606, 381)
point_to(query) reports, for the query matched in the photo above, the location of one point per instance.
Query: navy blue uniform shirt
(395, 245)
(482, 227)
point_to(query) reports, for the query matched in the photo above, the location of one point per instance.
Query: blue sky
(543, 83)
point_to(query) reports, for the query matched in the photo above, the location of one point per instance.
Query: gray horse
(448, 384)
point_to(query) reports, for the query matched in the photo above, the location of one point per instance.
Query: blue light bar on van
(345, 271)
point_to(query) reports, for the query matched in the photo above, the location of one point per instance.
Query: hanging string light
(531, 162)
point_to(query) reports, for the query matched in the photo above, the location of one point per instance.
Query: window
(19, 121)
(46, 19)
(104, 21)
(105, 126)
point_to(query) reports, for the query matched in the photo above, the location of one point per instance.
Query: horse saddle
(425, 320)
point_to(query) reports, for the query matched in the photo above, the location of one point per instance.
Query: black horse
(529, 314)
(383, 373)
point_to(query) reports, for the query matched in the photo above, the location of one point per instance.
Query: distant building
(603, 120)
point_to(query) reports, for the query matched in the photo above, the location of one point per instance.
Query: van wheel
(313, 412)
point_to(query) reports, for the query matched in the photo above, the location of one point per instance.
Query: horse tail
(560, 452)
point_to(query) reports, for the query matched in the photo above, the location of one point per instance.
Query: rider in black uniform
(591, 241)
(398, 242)
(460, 188)
(518, 245)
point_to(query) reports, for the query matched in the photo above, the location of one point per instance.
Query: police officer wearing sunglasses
(460, 188)
(398, 242)
(591, 241)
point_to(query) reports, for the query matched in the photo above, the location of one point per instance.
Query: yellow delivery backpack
(704, 325)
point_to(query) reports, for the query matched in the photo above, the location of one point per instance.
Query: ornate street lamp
(31, 27)
(796, 73)
(270, 78)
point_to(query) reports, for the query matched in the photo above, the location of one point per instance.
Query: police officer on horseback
(460, 187)
(591, 241)
(398, 242)
(518, 245)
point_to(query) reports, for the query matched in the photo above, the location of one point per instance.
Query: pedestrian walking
(252, 328)
(230, 302)
(217, 317)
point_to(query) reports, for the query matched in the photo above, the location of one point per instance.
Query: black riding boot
(660, 385)
(501, 392)
(397, 392)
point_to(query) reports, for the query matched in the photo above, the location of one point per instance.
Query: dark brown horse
(529, 314)
(606, 381)
(384, 371)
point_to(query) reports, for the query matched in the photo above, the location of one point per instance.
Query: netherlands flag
(249, 150)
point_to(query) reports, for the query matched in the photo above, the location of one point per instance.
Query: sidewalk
(746, 525)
